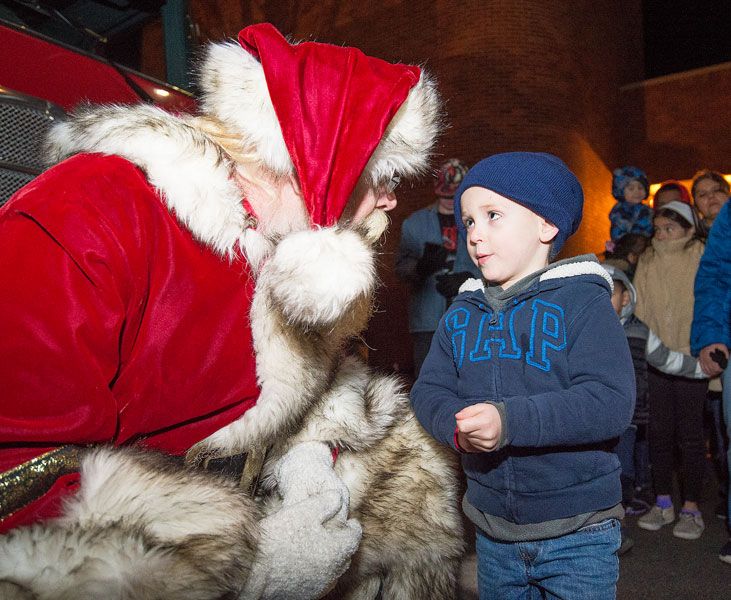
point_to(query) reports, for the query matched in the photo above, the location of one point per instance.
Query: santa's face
(363, 203)
(280, 208)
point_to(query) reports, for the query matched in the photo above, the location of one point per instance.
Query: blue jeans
(582, 564)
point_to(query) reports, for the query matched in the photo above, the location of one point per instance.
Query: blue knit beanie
(541, 182)
(621, 178)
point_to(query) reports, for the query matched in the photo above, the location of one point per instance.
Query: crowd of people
(676, 259)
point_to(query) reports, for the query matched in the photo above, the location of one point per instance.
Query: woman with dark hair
(664, 282)
(710, 192)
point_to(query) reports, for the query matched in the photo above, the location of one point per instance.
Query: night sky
(685, 35)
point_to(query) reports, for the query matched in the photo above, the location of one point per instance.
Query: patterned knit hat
(541, 182)
(623, 176)
(449, 175)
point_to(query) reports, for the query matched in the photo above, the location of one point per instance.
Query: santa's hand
(307, 470)
(304, 548)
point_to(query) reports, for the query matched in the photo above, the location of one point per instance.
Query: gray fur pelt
(141, 527)
(312, 296)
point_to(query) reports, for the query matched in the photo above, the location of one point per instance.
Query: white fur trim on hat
(235, 91)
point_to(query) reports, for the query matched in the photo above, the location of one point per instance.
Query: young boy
(530, 377)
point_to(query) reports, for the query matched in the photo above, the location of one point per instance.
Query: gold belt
(27, 482)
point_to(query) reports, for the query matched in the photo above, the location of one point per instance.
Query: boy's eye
(468, 222)
(492, 215)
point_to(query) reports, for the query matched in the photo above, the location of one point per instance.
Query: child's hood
(618, 275)
(584, 268)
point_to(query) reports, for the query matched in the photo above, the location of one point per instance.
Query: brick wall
(530, 75)
(677, 124)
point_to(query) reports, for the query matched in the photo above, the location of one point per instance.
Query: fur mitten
(306, 545)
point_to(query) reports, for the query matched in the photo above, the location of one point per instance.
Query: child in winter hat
(629, 215)
(668, 191)
(501, 380)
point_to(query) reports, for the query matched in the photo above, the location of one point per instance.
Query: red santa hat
(330, 114)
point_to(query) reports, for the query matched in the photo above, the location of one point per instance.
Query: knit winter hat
(622, 176)
(672, 184)
(539, 181)
(683, 209)
(449, 175)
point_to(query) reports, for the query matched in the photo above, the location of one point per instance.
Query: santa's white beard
(374, 225)
(286, 219)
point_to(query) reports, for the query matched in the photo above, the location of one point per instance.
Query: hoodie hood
(618, 275)
(552, 275)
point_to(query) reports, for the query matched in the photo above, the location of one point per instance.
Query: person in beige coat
(664, 282)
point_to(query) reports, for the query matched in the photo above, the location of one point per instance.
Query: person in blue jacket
(710, 333)
(530, 377)
(432, 261)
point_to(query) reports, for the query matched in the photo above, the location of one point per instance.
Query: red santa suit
(127, 271)
(119, 326)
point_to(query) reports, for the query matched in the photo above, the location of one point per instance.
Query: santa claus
(127, 277)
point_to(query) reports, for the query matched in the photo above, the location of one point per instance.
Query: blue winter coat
(554, 360)
(426, 304)
(630, 218)
(712, 305)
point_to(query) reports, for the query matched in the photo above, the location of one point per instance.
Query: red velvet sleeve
(59, 352)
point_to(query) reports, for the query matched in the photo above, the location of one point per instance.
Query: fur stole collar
(189, 170)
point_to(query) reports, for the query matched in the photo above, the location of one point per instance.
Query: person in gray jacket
(431, 261)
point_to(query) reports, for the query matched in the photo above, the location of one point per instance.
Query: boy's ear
(547, 232)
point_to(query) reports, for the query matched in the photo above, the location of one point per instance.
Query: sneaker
(656, 518)
(636, 507)
(720, 510)
(725, 553)
(689, 526)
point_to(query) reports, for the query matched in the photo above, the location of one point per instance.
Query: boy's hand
(479, 428)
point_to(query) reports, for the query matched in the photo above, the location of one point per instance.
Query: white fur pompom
(315, 277)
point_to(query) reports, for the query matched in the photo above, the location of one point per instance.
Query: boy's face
(634, 192)
(620, 297)
(668, 195)
(504, 239)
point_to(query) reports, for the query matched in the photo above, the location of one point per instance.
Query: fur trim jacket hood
(550, 353)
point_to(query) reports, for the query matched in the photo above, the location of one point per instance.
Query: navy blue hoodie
(551, 354)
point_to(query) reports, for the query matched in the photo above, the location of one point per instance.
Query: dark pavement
(661, 566)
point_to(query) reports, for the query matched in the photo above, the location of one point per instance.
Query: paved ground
(661, 566)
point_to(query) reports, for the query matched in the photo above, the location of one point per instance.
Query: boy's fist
(479, 428)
